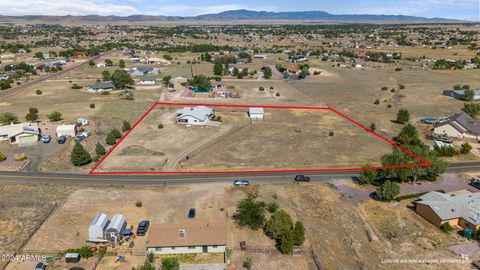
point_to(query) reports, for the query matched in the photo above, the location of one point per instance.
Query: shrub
(384, 88)
(376, 102)
(261, 88)
(446, 227)
(387, 191)
(401, 86)
(116, 133)
(2, 156)
(85, 251)
(138, 204)
(126, 126)
(272, 207)
(160, 126)
(279, 224)
(7, 118)
(19, 157)
(389, 106)
(465, 148)
(76, 86)
(392, 90)
(92, 105)
(398, 69)
(55, 116)
(170, 263)
(403, 116)
(298, 234)
(248, 263)
(331, 134)
(110, 140)
(271, 88)
(105, 93)
(277, 94)
(38, 92)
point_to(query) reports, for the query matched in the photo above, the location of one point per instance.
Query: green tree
(91, 63)
(106, 76)
(200, 81)
(272, 207)
(472, 109)
(116, 133)
(267, 72)
(408, 136)
(121, 79)
(286, 243)
(32, 114)
(403, 116)
(248, 263)
(110, 140)
(469, 94)
(387, 191)
(55, 116)
(121, 63)
(99, 149)
(170, 263)
(368, 176)
(279, 224)
(465, 148)
(80, 156)
(126, 126)
(108, 62)
(166, 80)
(250, 212)
(218, 69)
(2, 156)
(298, 234)
(8, 118)
(39, 55)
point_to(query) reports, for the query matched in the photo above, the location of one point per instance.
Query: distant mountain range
(233, 15)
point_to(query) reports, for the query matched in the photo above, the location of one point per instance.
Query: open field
(236, 143)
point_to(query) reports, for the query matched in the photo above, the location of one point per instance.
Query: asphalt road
(181, 179)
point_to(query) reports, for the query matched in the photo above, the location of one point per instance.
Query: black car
(61, 139)
(301, 178)
(40, 266)
(192, 213)
(143, 227)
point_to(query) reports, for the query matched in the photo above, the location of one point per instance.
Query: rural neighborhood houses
(199, 115)
(21, 134)
(460, 125)
(189, 237)
(459, 210)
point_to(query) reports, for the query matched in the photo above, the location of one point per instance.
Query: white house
(21, 134)
(67, 130)
(198, 116)
(96, 230)
(147, 81)
(256, 113)
(192, 236)
(460, 125)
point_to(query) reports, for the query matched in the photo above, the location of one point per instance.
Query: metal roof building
(115, 228)
(96, 231)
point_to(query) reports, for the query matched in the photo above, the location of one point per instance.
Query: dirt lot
(362, 234)
(238, 144)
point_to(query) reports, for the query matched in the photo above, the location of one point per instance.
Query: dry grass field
(286, 139)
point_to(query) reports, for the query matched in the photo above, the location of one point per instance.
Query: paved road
(139, 180)
(15, 89)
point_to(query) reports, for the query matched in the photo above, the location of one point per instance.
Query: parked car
(46, 138)
(192, 213)
(475, 182)
(143, 227)
(301, 178)
(241, 183)
(62, 139)
(40, 266)
(82, 122)
(86, 133)
(79, 138)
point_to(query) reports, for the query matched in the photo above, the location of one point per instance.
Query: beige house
(192, 236)
(457, 209)
(460, 125)
(20, 134)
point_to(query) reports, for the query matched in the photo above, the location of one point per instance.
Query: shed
(72, 257)
(115, 228)
(96, 231)
(256, 113)
(67, 130)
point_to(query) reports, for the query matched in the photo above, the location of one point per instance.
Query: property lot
(285, 139)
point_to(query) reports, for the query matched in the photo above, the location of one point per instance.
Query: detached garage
(96, 231)
(256, 113)
(67, 130)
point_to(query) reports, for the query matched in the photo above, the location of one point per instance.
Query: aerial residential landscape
(243, 135)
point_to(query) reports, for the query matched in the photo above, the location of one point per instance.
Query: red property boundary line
(423, 163)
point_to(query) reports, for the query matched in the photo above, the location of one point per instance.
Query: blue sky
(456, 9)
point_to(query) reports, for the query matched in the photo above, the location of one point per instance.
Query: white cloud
(64, 7)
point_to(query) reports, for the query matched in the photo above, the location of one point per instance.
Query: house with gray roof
(101, 87)
(460, 94)
(461, 210)
(142, 71)
(460, 125)
(198, 116)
